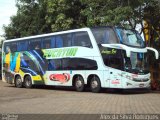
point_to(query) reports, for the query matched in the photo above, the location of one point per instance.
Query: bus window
(130, 37)
(110, 36)
(82, 39)
(112, 57)
(67, 40)
(105, 35)
(115, 62)
(79, 64)
(53, 42)
(91, 64)
(54, 64)
(48, 42)
(85, 64)
(13, 46)
(59, 41)
(35, 44)
(66, 64)
(7, 48)
(22, 46)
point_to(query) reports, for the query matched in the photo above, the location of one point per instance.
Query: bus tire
(79, 84)
(28, 82)
(95, 84)
(18, 82)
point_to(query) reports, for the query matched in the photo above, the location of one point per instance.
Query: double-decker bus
(101, 57)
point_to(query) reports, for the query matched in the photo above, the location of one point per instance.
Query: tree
(38, 16)
(64, 14)
(29, 19)
(152, 17)
(43, 16)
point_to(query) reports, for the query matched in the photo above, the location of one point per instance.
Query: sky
(7, 9)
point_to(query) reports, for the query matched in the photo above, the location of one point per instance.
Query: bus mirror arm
(154, 50)
(128, 53)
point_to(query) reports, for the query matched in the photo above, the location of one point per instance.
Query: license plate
(141, 85)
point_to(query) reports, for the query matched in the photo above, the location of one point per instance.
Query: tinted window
(115, 62)
(81, 39)
(112, 57)
(48, 42)
(22, 46)
(54, 64)
(105, 35)
(35, 44)
(79, 64)
(64, 40)
(59, 41)
(130, 37)
(7, 47)
(66, 64)
(13, 46)
(67, 40)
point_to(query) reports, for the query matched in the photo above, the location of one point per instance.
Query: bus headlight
(129, 77)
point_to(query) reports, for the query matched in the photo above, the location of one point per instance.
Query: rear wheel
(28, 82)
(79, 84)
(18, 82)
(95, 84)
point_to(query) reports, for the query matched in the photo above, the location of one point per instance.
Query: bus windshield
(137, 63)
(130, 37)
(105, 35)
(109, 35)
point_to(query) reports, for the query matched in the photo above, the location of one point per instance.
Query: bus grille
(140, 79)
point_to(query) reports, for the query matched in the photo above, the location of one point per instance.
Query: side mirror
(154, 50)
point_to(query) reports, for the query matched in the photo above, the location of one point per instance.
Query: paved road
(50, 100)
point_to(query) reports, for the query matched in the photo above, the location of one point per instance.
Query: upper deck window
(22, 45)
(7, 48)
(35, 44)
(130, 37)
(105, 35)
(81, 39)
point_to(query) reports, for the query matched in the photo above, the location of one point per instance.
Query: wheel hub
(78, 83)
(28, 82)
(18, 81)
(94, 84)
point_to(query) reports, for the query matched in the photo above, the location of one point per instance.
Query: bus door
(115, 63)
(113, 59)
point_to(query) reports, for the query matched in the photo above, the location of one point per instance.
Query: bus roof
(48, 34)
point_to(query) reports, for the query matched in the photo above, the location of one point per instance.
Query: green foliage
(44, 16)
(64, 14)
(28, 21)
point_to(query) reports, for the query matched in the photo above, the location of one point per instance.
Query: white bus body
(96, 57)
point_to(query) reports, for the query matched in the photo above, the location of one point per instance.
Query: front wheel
(79, 84)
(28, 82)
(18, 82)
(95, 84)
